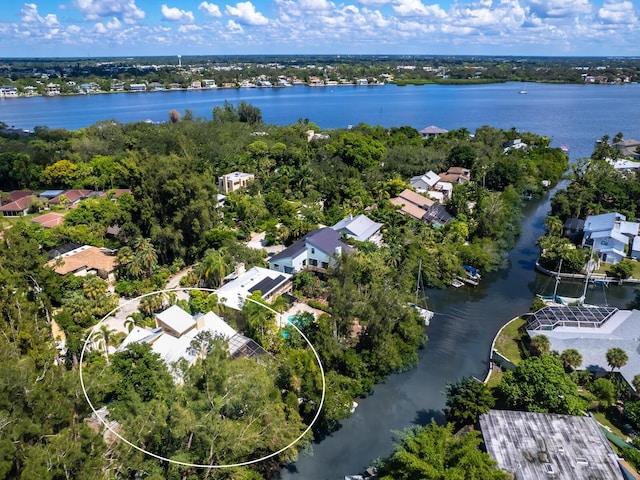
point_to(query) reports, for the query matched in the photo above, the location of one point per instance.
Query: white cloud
(174, 14)
(127, 10)
(114, 24)
(99, 28)
(234, 27)
(210, 9)
(617, 12)
(315, 5)
(373, 3)
(415, 8)
(30, 15)
(558, 8)
(246, 13)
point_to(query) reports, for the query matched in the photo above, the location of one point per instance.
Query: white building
(360, 228)
(234, 181)
(270, 283)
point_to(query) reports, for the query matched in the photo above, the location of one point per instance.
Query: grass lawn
(600, 417)
(604, 269)
(511, 339)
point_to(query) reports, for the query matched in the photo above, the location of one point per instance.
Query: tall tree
(617, 358)
(433, 452)
(467, 399)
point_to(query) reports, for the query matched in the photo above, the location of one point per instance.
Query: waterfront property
(611, 235)
(592, 331)
(432, 131)
(533, 446)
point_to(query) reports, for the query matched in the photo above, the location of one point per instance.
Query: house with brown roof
(49, 220)
(14, 195)
(421, 208)
(72, 196)
(85, 260)
(456, 175)
(412, 203)
(18, 207)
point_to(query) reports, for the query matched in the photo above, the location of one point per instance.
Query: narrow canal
(460, 337)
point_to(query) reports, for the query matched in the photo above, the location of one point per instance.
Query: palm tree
(571, 358)
(146, 257)
(553, 225)
(617, 358)
(105, 335)
(212, 269)
(636, 384)
(94, 287)
(151, 304)
(541, 344)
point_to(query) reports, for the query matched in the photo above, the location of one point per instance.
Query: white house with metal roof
(317, 250)
(610, 235)
(360, 228)
(270, 283)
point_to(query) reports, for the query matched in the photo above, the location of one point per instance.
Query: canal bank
(460, 338)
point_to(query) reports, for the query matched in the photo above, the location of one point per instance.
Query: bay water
(466, 319)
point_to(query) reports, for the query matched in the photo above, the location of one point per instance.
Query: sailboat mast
(555, 289)
(418, 280)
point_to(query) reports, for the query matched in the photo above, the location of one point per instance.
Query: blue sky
(84, 28)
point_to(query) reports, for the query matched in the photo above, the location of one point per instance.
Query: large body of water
(573, 115)
(467, 319)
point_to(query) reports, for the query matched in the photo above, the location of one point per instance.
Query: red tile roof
(49, 220)
(19, 205)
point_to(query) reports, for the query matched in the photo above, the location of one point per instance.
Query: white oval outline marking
(198, 465)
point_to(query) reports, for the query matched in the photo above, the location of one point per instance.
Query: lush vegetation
(230, 70)
(171, 219)
(595, 188)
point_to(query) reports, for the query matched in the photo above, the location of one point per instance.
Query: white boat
(559, 300)
(457, 283)
(523, 92)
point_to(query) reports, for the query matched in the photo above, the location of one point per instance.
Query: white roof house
(424, 183)
(270, 283)
(175, 319)
(610, 234)
(177, 329)
(592, 331)
(360, 228)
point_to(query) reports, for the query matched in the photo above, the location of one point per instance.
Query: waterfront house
(137, 87)
(52, 89)
(515, 144)
(233, 181)
(573, 228)
(534, 446)
(432, 131)
(360, 228)
(315, 251)
(592, 331)
(8, 91)
(628, 148)
(610, 235)
(29, 90)
(270, 283)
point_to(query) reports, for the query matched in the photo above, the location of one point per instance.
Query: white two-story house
(316, 251)
(611, 236)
